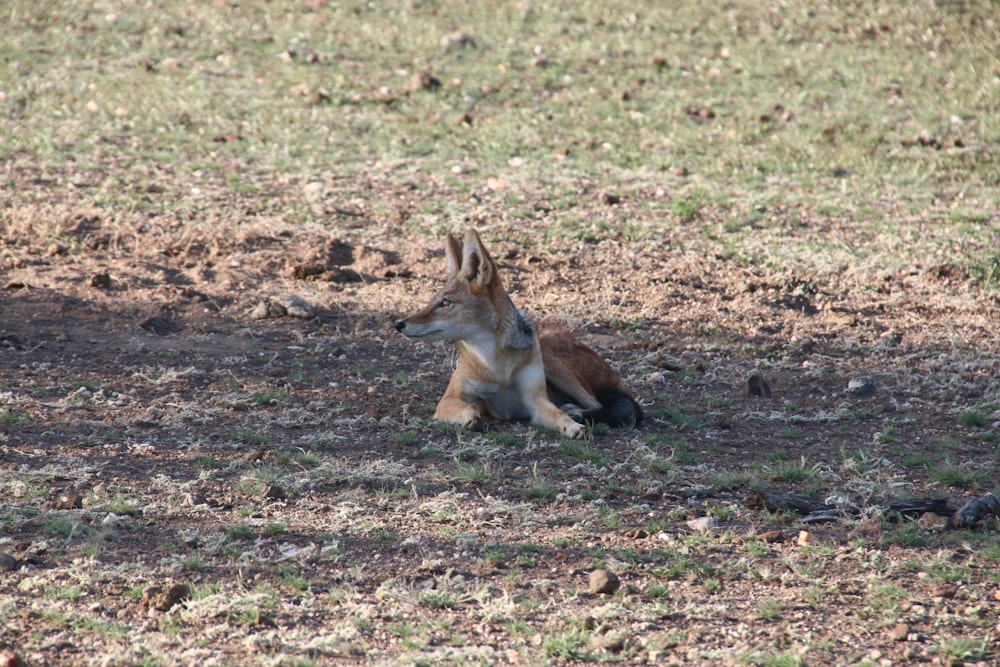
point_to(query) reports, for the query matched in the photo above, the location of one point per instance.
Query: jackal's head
(472, 302)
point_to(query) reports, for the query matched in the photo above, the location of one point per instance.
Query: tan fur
(505, 370)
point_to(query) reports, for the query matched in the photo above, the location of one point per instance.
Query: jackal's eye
(443, 303)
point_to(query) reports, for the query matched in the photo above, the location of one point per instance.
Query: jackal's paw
(472, 423)
(475, 424)
(573, 430)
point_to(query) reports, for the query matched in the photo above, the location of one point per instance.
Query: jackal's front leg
(546, 414)
(457, 411)
(454, 410)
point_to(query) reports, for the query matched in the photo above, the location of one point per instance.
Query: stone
(770, 536)
(69, 500)
(194, 499)
(861, 386)
(421, 81)
(604, 582)
(274, 492)
(975, 511)
(164, 599)
(703, 524)
(7, 562)
(758, 386)
(458, 40)
(608, 641)
(900, 632)
(10, 659)
(932, 522)
(296, 306)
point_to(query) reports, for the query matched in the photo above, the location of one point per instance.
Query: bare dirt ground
(165, 423)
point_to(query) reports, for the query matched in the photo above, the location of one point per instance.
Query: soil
(173, 417)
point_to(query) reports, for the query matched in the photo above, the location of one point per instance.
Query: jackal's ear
(452, 254)
(477, 266)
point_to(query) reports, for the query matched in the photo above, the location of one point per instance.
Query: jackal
(505, 368)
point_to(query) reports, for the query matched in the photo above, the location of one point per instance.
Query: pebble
(69, 501)
(274, 492)
(861, 386)
(603, 581)
(164, 599)
(770, 536)
(611, 641)
(704, 523)
(932, 522)
(7, 562)
(458, 39)
(900, 632)
(10, 659)
(758, 386)
(194, 499)
(296, 306)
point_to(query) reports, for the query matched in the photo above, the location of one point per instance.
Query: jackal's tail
(618, 408)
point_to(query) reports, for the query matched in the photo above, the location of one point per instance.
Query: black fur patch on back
(520, 333)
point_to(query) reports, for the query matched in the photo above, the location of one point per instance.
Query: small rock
(806, 538)
(7, 562)
(945, 590)
(603, 581)
(112, 519)
(608, 641)
(421, 81)
(160, 599)
(296, 306)
(10, 659)
(931, 521)
(868, 530)
(101, 280)
(161, 326)
(890, 339)
(900, 632)
(975, 511)
(770, 536)
(69, 500)
(861, 387)
(458, 40)
(307, 271)
(260, 311)
(758, 386)
(666, 362)
(703, 524)
(274, 492)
